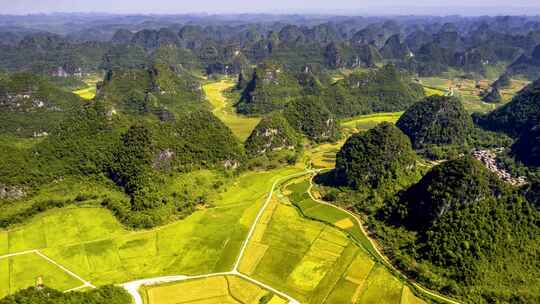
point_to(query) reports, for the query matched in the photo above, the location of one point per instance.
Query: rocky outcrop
(273, 133)
(11, 192)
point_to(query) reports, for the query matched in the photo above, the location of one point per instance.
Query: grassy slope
(90, 91)
(468, 92)
(91, 242)
(223, 109)
(365, 122)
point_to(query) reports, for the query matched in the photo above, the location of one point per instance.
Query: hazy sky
(403, 7)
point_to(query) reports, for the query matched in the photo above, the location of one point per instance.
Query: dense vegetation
(144, 125)
(379, 159)
(436, 120)
(148, 132)
(519, 115)
(446, 187)
(273, 133)
(269, 89)
(464, 229)
(31, 105)
(228, 45)
(309, 116)
(45, 295)
(527, 147)
(158, 90)
(381, 90)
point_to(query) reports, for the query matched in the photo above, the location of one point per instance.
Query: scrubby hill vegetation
(309, 116)
(32, 106)
(101, 295)
(445, 188)
(382, 90)
(158, 90)
(436, 120)
(132, 138)
(379, 160)
(273, 133)
(466, 230)
(269, 89)
(519, 115)
(148, 134)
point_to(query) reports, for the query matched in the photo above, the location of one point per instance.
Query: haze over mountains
(266, 158)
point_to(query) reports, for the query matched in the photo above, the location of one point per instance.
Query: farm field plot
(430, 91)
(469, 91)
(91, 242)
(223, 109)
(84, 189)
(297, 194)
(22, 271)
(312, 261)
(365, 122)
(218, 290)
(323, 155)
(90, 91)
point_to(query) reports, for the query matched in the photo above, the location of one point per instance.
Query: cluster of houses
(489, 159)
(61, 72)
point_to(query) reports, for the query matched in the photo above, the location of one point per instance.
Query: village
(489, 159)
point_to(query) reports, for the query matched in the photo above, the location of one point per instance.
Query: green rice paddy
(211, 290)
(91, 242)
(90, 91)
(365, 122)
(298, 249)
(240, 125)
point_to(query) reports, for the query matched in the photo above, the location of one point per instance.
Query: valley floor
(265, 239)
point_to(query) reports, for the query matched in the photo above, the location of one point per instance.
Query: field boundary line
(86, 283)
(268, 287)
(9, 255)
(374, 245)
(259, 215)
(133, 287)
(46, 258)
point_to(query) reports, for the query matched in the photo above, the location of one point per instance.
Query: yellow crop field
(240, 125)
(90, 91)
(365, 122)
(211, 290)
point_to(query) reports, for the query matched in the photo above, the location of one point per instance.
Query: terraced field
(224, 110)
(317, 261)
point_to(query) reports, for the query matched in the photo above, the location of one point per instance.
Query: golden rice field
(240, 125)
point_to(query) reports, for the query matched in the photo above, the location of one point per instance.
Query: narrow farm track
(133, 287)
(86, 283)
(376, 248)
(260, 213)
(46, 258)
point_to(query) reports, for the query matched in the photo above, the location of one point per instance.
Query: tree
(378, 158)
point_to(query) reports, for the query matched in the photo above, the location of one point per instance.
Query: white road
(133, 287)
(71, 273)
